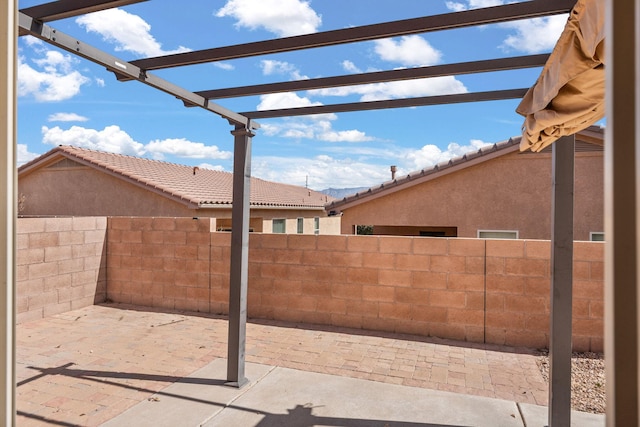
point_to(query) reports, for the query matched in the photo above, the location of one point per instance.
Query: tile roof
(593, 136)
(201, 187)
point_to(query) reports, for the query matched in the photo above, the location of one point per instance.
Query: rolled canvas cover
(569, 93)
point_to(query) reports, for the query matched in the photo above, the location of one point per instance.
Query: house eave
(58, 153)
(227, 206)
(396, 185)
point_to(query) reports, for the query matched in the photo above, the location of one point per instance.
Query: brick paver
(86, 366)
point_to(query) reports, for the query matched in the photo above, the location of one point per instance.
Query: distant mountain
(340, 193)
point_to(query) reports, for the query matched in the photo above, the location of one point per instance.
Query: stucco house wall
(326, 225)
(510, 192)
(84, 191)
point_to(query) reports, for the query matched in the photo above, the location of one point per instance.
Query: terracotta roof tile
(205, 187)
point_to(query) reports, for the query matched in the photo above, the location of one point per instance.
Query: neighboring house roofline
(592, 135)
(174, 181)
(264, 207)
(53, 155)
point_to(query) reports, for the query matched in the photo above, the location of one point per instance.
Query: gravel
(587, 380)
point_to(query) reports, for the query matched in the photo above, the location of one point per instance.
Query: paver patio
(86, 366)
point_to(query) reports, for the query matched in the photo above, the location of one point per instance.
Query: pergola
(621, 323)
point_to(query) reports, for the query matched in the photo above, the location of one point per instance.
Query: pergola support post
(622, 174)
(239, 273)
(560, 338)
(8, 180)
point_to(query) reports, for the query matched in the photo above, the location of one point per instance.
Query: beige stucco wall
(512, 192)
(88, 192)
(328, 225)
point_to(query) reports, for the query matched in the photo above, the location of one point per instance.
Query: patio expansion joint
(243, 391)
(522, 418)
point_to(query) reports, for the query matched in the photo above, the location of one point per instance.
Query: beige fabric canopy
(569, 94)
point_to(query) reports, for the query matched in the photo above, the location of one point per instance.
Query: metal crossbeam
(485, 66)
(391, 103)
(447, 21)
(122, 68)
(69, 8)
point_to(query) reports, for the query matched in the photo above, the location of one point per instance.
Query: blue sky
(63, 99)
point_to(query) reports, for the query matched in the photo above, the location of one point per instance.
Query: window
(316, 225)
(596, 236)
(497, 234)
(300, 225)
(364, 230)
(279, 226)
(432, 233)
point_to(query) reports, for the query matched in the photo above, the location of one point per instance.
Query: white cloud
(224, 66)
(111, 139)
(344, 136)
(185, 149)
(321, 172)
(269, 129)
(23, 154)
(276, 67)
(326, 133)
(270, 67)
(408, 51)
(356, 165)
(534, 35)
(400, 89)
(211, 167)
(52, 79)
(455, 6)
(350, 67)
(276, 101)
(114, 140)
(66, 117)
(282, 17)
(474, 4)
(32, 41)
(100, 82)
(430, 155)
(55, 61)
(299, 132)
(314, 129)
(128, 32)
(531, 35)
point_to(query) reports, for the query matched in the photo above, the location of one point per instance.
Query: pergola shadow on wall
(34, 21)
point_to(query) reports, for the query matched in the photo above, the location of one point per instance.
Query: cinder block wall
(60, 265)
(494, 291)
(518, 294)
(160, 262)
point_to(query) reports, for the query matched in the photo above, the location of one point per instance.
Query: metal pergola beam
(447, 21)
(485, 66)
(62, 9)
(390, 103)
(28, 25)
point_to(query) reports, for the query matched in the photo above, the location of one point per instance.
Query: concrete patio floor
(122, 365)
